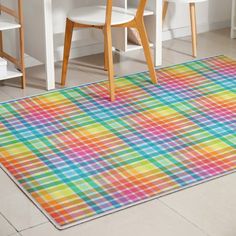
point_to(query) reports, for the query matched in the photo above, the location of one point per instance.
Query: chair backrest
(139, 13)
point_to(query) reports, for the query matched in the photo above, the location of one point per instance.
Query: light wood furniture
(49, 21)
(192, 18)
(233, 24)
(104, 18)
(13, 19)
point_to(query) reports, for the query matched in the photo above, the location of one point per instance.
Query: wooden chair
(105, 17)
(192, 18)
(5, 25)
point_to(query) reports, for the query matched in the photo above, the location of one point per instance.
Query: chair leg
(145, 42)
(165, 8)
(105, 53)
(22, 60)
(67, 47)
(108, 49)
(193, 28)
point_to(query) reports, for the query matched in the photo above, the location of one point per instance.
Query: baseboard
(31, 62)
(233, 33)
(80, 51)
(95, 48)
(169, 34)
(76, 52)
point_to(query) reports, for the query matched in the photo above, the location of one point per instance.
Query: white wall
(84, 40)
(10, 38)
(214, 14)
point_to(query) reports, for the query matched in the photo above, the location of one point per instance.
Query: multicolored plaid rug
(79, 156)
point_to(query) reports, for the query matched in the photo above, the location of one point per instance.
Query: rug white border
(79, 222)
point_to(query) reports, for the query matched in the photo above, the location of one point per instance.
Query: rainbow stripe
(79, 156)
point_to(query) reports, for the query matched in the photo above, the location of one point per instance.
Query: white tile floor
(207, 209)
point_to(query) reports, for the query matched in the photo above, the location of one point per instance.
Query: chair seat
(186, 1)
(96, 15)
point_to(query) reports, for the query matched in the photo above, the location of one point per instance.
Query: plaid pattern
(79, 156)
